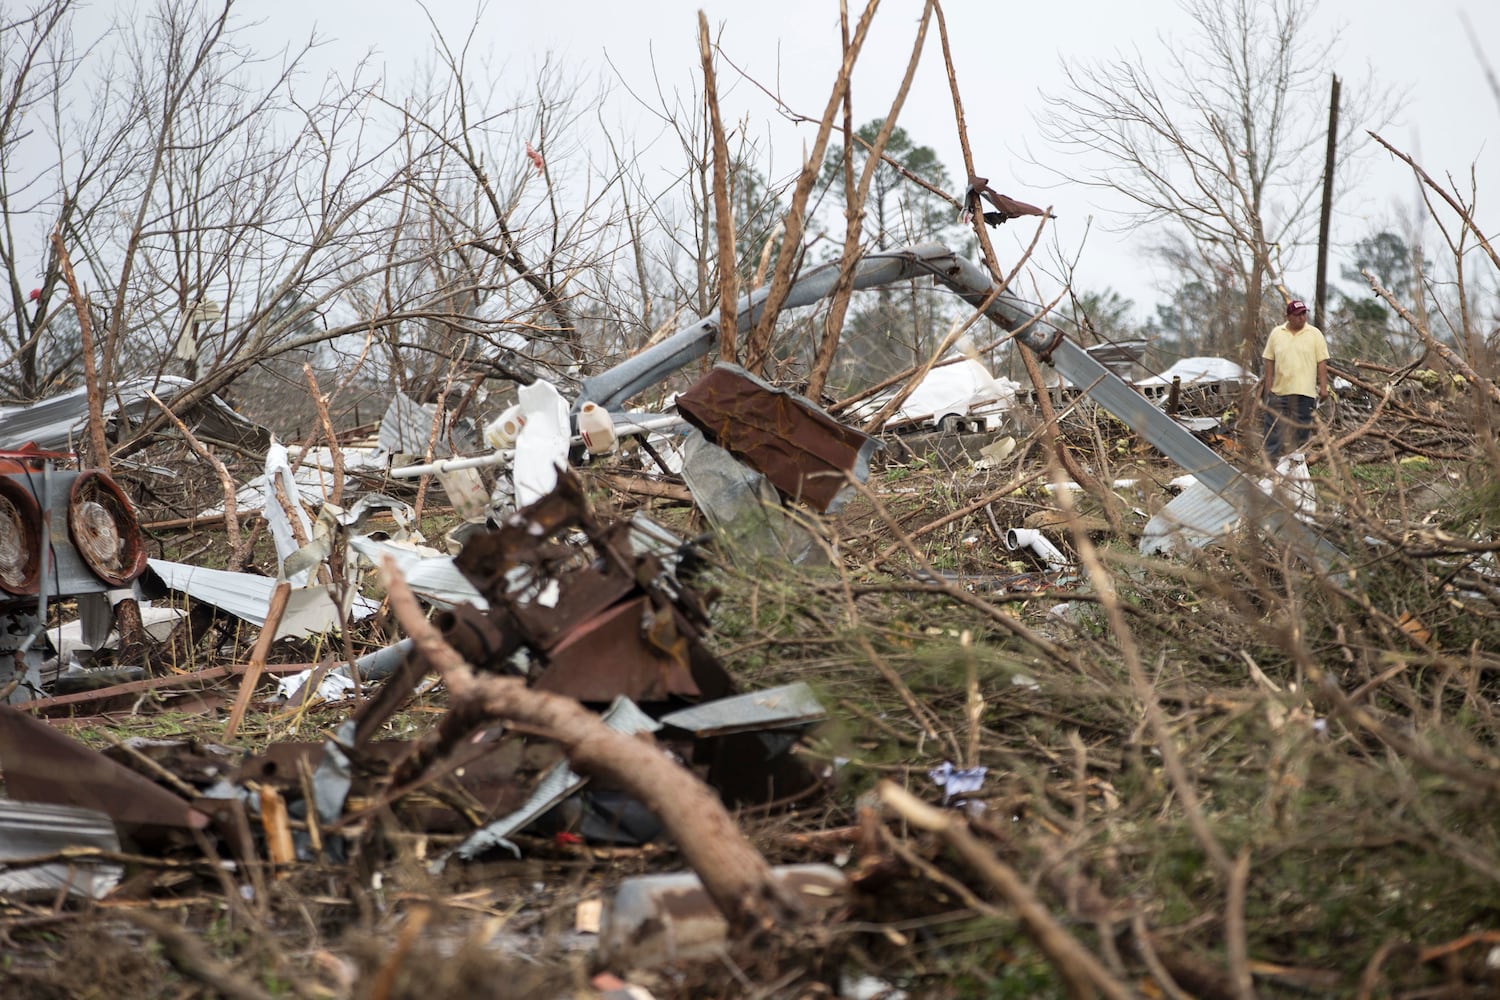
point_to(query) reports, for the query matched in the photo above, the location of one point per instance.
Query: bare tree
(38, 62)
(226, 217)
(1217, 142)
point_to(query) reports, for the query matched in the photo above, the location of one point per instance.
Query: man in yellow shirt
(1294, 379)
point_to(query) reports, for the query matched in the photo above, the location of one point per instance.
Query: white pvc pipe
(1072, 487)
(450, 465)
(1027, 538)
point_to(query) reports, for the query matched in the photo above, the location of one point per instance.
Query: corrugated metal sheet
(58, 422)
(1196, 517)
(37, 829)
(434, 579)
(774, 708)
(406, 427)
(310, 611)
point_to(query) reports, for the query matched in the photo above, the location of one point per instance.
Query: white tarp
(1196, 370)
(955, 388)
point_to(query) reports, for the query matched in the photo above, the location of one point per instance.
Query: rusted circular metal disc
(104, 529)
(20, 539)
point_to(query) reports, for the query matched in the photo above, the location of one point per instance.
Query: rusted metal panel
(805, 453)
(630, 649)
(556, 785)
(473, 783)
(43, 765)
(619, 624)
(583, 594)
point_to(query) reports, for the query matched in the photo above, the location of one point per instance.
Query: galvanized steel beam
(612, 388)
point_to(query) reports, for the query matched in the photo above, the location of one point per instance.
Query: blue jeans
(1288, 424)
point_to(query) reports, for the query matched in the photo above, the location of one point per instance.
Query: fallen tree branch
(1445, 352)
(1084, 974)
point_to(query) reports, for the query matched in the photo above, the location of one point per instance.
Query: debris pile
(550, 698)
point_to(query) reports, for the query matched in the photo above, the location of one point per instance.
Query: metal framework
(612, 388)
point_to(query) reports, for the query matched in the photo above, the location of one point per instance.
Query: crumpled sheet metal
(42, 765)
(56, 423)
(310, 611)
(557, 784)
(773, 708)
(619, 626)
(631, 649)
(805, 453)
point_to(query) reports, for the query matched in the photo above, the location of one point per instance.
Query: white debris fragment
(957, 782)
(542, 444)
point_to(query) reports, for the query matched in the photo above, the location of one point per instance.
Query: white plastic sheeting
(951, 389)
(542, 444)
(1195, 370)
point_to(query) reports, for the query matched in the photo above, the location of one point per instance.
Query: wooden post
(279, 597)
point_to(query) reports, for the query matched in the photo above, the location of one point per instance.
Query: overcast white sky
(1006, 55)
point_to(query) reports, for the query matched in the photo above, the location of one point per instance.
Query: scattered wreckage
(540, 591)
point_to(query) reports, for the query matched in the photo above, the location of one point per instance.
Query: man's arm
(1322, 379)
(1268, 376)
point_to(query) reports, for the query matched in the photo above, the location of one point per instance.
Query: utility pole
(1333, 131)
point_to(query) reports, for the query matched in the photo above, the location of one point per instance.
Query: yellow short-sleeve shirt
(1296, 356)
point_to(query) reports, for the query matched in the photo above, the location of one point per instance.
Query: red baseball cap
(1296, 306)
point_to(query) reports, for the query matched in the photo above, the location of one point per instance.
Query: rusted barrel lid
(104, 529)
(20, 538)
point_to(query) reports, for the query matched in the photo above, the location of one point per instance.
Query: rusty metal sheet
(582, 595)
(473, 783)
(554, 786)
(805, 453)
(42, 765)
(619, 624)
(486, 559)
(626, 651)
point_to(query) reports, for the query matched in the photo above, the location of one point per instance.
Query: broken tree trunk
(733, 873)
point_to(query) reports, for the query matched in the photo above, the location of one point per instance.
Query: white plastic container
(597, 428)
(504, 429)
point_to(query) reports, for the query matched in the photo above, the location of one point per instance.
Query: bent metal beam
(613, 387)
